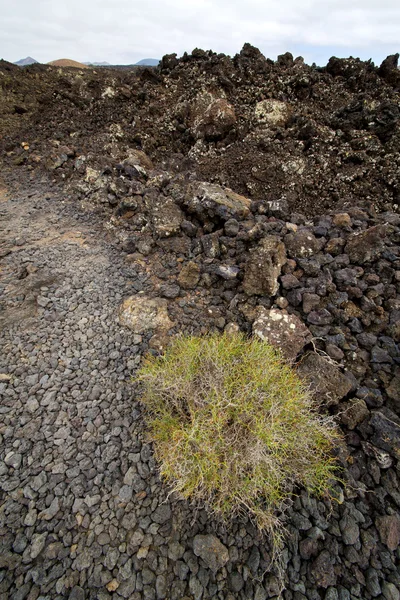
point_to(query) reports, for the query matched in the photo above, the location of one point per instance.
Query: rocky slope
(137, 246)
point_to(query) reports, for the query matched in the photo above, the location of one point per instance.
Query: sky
(126, 31)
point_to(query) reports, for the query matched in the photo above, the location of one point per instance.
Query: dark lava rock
(353, 412)
(189, 276)
(210, 549)
(208, 201)
(366, 246)
(284, 331)
(326, 380)
(322, 571)
(386, 433)
(263, 267)
(388, 527)
(301, 244)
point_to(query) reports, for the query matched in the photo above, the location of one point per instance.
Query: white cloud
(124, 31)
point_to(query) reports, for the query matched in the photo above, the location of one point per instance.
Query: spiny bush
(234, 427)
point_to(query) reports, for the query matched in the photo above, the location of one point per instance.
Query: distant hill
(147, 62)
(66, 62)
(97, 64)
(26, 61)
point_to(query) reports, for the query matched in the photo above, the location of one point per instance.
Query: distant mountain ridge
(147, 62)
(26, 61)
(97, 64)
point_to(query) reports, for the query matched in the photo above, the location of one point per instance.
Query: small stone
(161, 587)
(310, 301)
(210, 243)
(326, 380)
(302, 244)
(228, 272)
(263, 267)
(322, 570)
(208, 200)
(367, 245)
(170, 290)
(388, 527)
(189, 276)
(386, 433)
(390, 591)
(353, 412)
(162, 514)
(231, 228)
(142, 314)
(166, 217)
(320, 317)
(13, 459)
(125, 493)
(289, 281)
(50, 512)
(77, 593)
(350, 530)
(112, 585)
(210, 549)
(38, 544)
(341, 220)
(236, 582)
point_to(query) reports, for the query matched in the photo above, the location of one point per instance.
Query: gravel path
(82, 510)
(83, 514)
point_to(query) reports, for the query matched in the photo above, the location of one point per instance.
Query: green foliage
(233, 426)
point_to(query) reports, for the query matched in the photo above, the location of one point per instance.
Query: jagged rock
(322, 571)
(142, 314)
(189, 276)
(263, 267)
(166, 217)
(286, 332)
(208, 201)
(366, 246)
(210, 549)
(138, 158)
(388, 527)
(353, 412)
(301, 244)
(273, 112)
(386, 433)
(326, 380)
(383, 459)
(211, 117)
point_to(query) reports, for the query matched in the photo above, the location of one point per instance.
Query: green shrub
(234, 427)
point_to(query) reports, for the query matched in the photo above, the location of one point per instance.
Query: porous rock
(208, 200)
(142, 314)
(326, 380)
(189, 276)
(354, 412)
(167, 218)
(273, 112)
(302, 243)
(386, 433)
(367, 245)
(283, 331)
(212, 117)
(211, 550)
(388, 527)
(263, 267)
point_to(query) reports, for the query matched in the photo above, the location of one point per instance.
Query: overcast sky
(125, 31)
